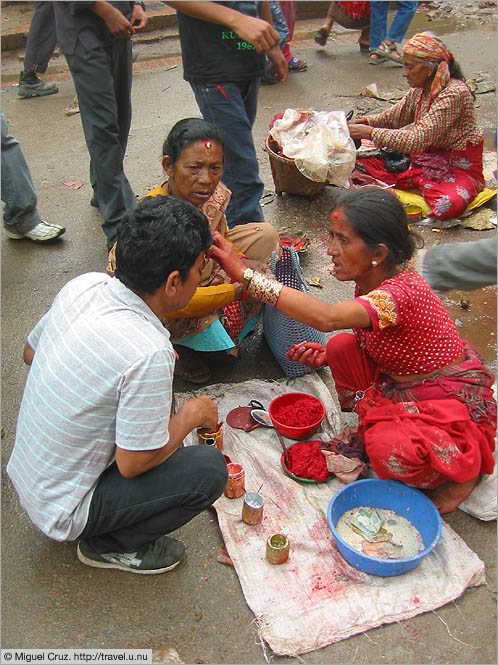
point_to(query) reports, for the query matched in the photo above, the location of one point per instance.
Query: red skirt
(447, 198)
(424, 434)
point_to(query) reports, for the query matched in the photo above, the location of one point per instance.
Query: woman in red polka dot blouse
(426, 410)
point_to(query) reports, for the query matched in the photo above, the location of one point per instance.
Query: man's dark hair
(162, 234)
(186, 132)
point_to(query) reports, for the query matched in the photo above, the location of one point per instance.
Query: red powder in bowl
(300, 413)
(306, 460)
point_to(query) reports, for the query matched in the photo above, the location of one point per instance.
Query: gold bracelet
(265, 289)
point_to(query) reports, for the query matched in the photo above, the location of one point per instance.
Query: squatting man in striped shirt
(98, 455)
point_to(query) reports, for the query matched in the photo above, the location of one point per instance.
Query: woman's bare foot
(190, 367)
(449, 496)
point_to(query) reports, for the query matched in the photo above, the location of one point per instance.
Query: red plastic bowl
(298, 433)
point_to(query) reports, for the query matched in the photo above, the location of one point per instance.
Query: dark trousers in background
(102, 78)
(41, 38)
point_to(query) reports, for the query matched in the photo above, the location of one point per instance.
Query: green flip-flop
(376, 61)
(389, 51)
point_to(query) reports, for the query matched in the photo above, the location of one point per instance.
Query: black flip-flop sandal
(321, 37)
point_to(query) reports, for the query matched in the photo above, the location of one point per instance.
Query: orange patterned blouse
(446, 124)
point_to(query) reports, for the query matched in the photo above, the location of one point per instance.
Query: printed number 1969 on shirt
(244, 46)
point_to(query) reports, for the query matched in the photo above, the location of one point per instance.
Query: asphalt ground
(49, 599)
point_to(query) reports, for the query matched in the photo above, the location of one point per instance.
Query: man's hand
(202, 410)
(138, 18)
(224, 252)
(118, 25)
(257, 32)
(278, 66)
(197, 412)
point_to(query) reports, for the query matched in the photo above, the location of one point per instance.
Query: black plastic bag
(394, 161)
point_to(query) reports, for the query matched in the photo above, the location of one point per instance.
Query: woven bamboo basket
(287, 177)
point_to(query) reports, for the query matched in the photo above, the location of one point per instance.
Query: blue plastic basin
(393, 495)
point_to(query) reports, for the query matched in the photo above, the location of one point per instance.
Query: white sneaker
(42, 232)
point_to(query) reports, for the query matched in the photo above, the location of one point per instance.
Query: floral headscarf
(430, 48)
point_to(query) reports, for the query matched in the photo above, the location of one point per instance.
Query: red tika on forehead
(208, 144)
(335, 214)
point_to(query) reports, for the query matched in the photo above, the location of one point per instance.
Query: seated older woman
(435, 124)
(219, 315)
(426, 411)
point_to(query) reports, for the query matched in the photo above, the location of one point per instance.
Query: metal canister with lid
(252, 510)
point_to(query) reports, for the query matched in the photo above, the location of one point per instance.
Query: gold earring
(374, 263)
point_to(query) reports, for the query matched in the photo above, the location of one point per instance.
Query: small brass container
(277, 548)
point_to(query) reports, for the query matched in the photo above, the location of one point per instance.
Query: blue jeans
(127, 513)
(399, 25)
(234, 115)
(18, 193)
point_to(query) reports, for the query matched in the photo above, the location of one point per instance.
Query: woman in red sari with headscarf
(435, 124)
(424, 399)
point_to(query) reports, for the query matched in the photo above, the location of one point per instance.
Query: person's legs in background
(102, 78)
(386, 47)
(364, 39)
(358, 18)
(21, 218)
(322, 34)
(378, 23)
(288, 8)
(401, 21)
(40, 46)
(233, 110)
(281, 27)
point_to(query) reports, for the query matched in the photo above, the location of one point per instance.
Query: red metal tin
(235, 484)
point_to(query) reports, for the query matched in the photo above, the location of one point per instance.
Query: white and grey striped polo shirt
(101, 376)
